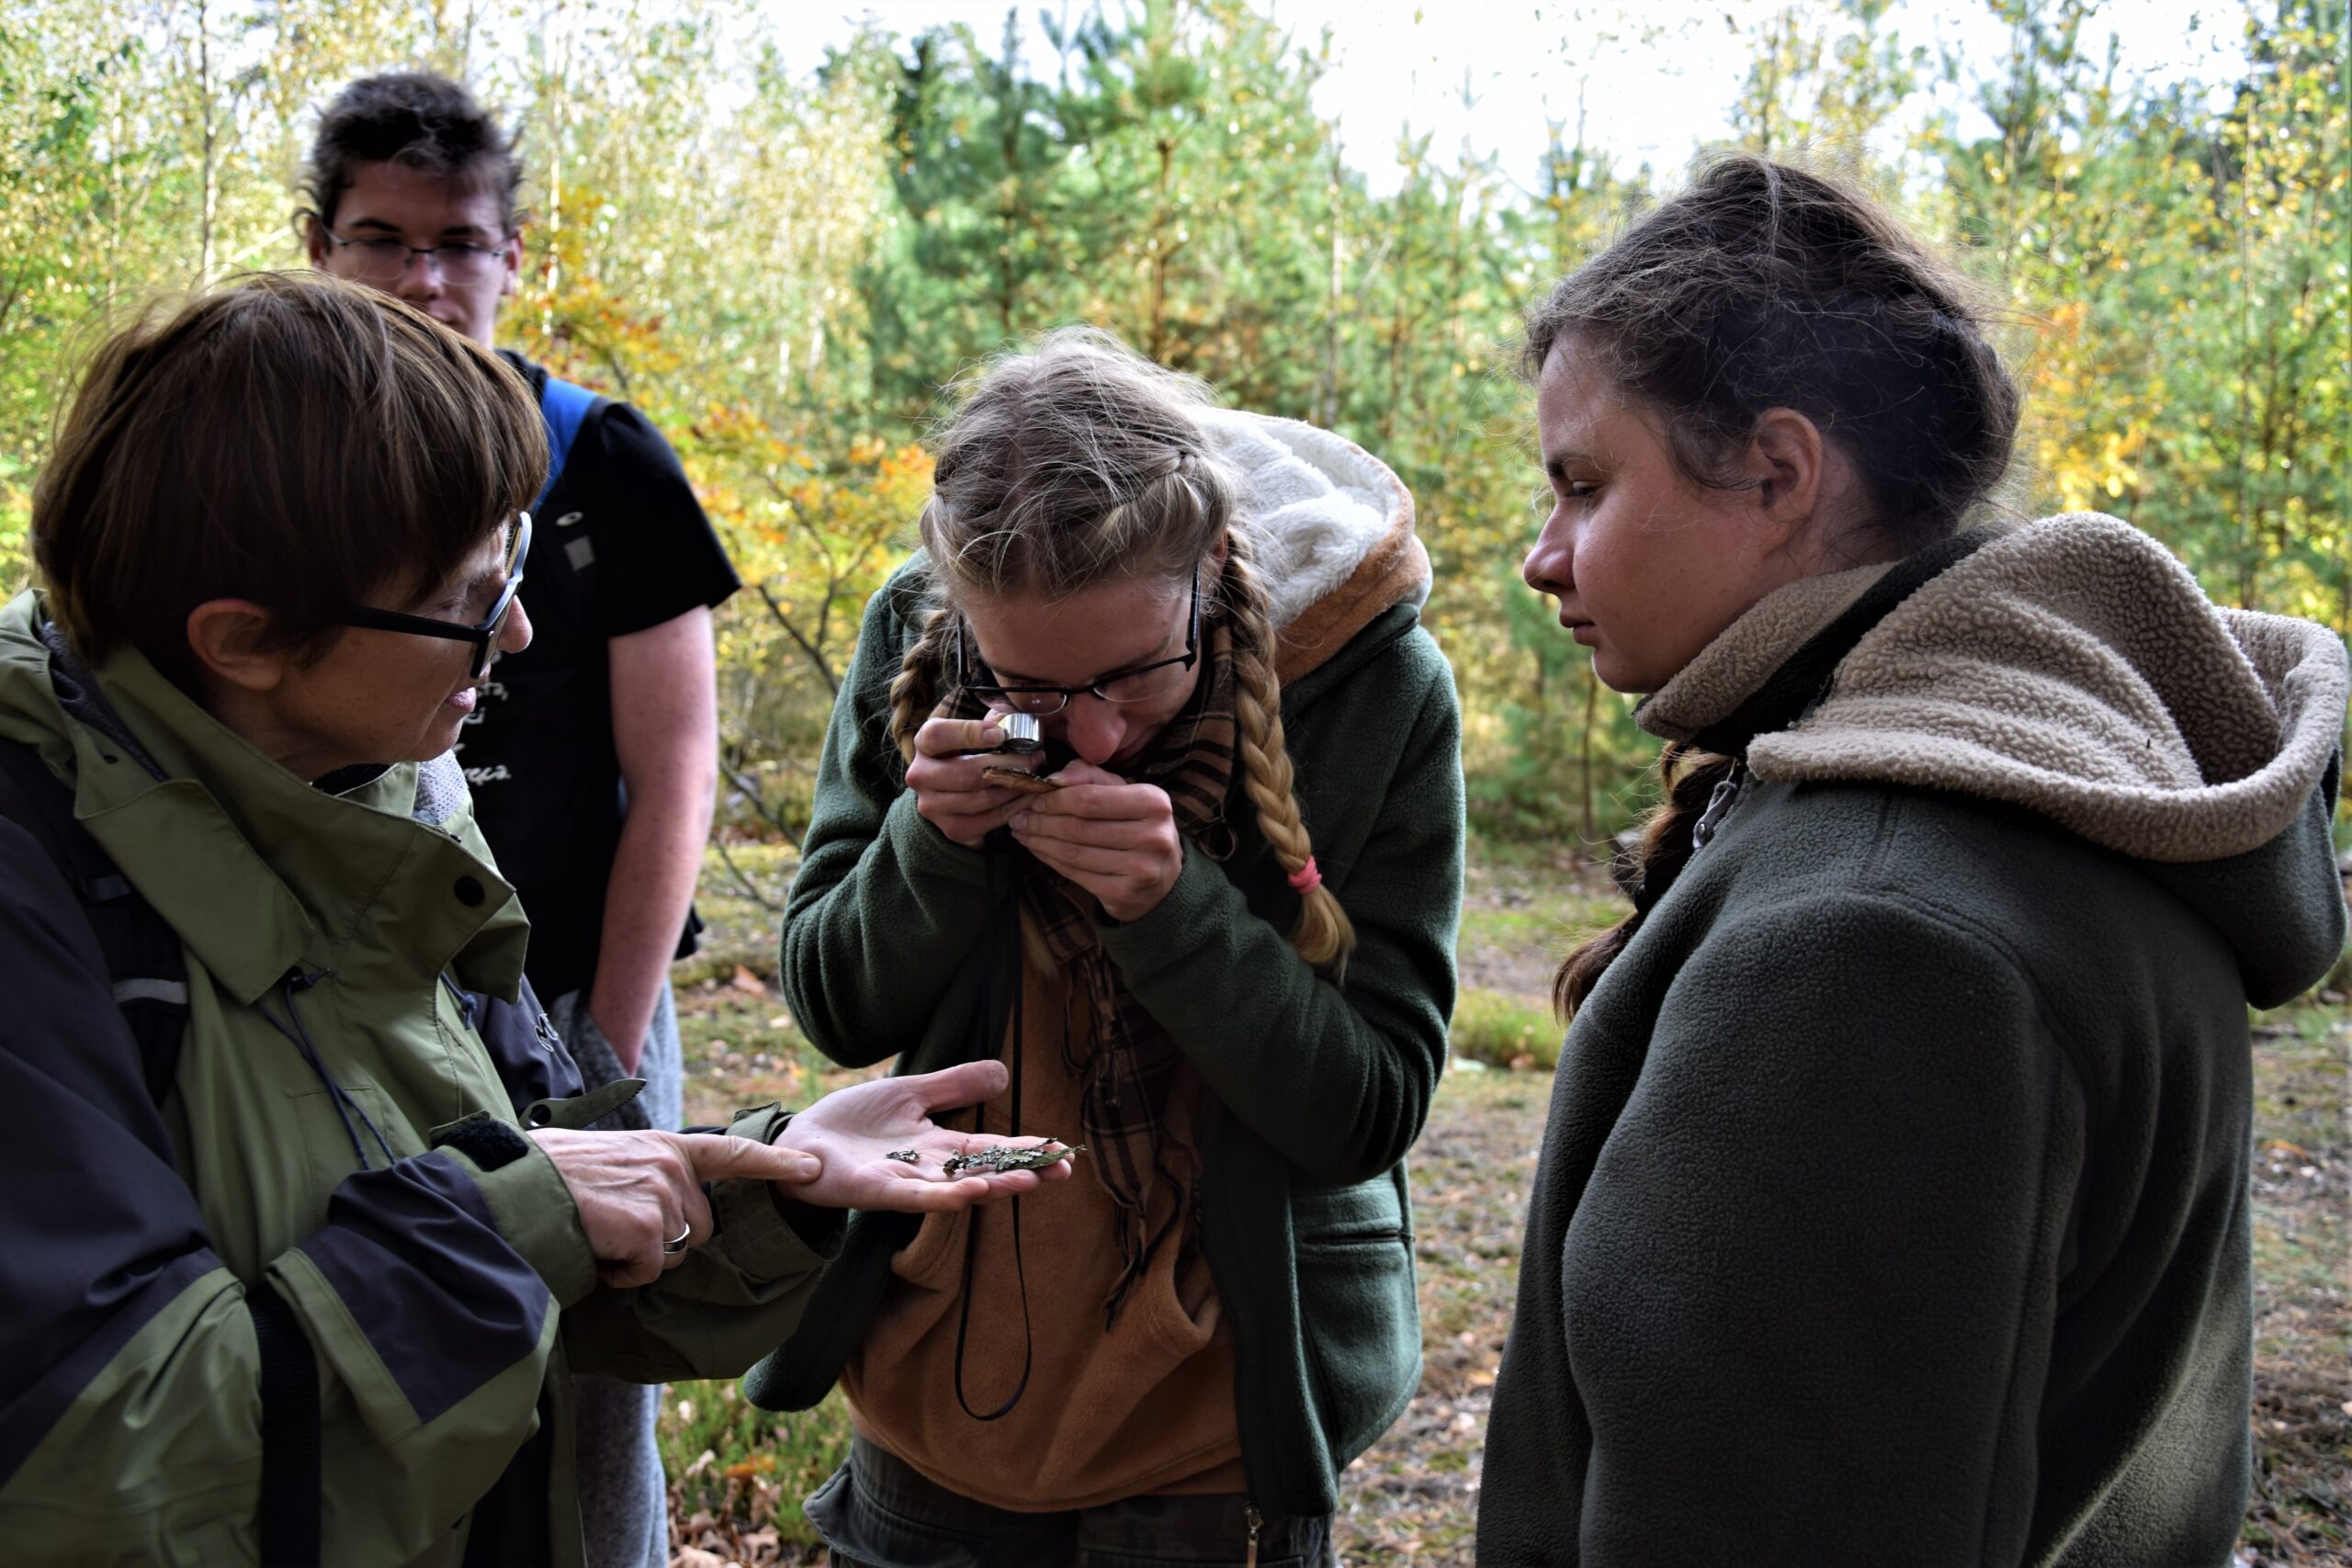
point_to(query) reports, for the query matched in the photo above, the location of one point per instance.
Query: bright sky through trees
(784, 267)
(1655, 80)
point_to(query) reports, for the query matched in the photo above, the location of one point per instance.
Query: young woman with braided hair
(1213, 940)
(1891, 1206)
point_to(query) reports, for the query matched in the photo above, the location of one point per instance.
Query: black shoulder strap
(289, 1516)
(149, 973)
(144, 961)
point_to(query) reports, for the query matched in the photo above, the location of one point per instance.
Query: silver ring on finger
(677, 1243)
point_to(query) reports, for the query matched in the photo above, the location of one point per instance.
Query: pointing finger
(1070, 857)
(1112, 801)
(1101, 832)
(715, 1156)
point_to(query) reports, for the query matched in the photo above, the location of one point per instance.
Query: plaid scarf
(1126, 1067)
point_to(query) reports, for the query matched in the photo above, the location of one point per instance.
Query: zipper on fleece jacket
(1724, 796)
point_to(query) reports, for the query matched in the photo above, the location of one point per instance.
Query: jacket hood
(2074, 668)
(1334, 528)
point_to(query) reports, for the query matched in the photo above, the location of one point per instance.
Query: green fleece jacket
(1323, 1087)
(1894, 1203)
(340, 950)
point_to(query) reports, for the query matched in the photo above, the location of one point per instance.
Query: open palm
(854, 1131)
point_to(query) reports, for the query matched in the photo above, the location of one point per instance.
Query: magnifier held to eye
(1024, 735)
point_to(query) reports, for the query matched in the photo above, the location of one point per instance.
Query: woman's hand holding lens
(949, 791)
(855, 1131)
(1116, 840)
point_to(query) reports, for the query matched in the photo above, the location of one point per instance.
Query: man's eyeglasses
(379, 260)
(1140, 683)
(483, 637)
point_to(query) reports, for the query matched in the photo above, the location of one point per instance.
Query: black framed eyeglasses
(483, 637)
(1137, 683)
(381, 259)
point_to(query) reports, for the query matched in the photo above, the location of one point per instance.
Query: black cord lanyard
(1001, 896)
(337, 1096)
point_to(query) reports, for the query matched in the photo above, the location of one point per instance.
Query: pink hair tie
(1306, 879)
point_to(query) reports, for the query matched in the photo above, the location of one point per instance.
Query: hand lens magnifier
(1024, 732)
(1024, 736)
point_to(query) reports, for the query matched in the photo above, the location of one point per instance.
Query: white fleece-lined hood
(1334, 528)
(2070, 666)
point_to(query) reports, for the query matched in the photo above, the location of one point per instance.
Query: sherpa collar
(2070, 666)
(1710, 688)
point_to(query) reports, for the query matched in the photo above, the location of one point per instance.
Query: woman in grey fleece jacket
(1893, 1206)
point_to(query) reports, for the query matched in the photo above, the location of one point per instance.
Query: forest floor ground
(738, 1474)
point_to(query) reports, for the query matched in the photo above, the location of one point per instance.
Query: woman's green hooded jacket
(331, 1157)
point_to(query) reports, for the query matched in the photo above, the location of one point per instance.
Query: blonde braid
(1322, 933)
(914, 690)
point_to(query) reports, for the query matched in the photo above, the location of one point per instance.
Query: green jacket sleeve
(732, 1300)
(1802, 1309)
(884, 905)
(1336, 1075)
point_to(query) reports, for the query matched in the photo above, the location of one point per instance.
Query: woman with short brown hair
(283, 1275)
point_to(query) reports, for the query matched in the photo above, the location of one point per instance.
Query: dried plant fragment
(1000, 1161)
(1013, 778)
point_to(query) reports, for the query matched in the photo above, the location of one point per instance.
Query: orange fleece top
(1145, 1406)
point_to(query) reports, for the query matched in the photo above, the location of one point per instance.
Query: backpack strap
(565, 407)
(148, 970)
(290, 1517)
(145, 963)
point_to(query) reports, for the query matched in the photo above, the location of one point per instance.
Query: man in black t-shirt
(593, 753)
(629, 571)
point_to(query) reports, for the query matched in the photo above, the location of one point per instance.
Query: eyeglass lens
(1136, 686)
(1141, 686)
(382, 261)
(518, 538)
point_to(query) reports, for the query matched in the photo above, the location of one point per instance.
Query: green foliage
(785, 269)
(738, 1462)
(1504, 1031)
(2188, 274)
